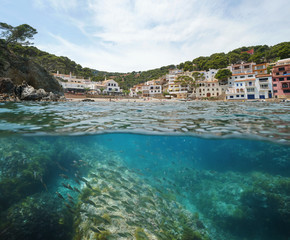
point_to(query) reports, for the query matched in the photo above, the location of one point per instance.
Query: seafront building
(281, 78)
(72, 84)
(249, 81)
(210, 88)
(242, 86)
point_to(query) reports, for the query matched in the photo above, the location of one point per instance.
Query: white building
(210, 88)
(265, 86)
(242, 86)
(111, 87)
(242, 68)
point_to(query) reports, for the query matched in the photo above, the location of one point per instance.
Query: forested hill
(261, 54)
(52, 63)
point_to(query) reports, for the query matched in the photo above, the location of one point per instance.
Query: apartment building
(281, 79)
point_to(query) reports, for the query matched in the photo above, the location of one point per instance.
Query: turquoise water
(144, 171)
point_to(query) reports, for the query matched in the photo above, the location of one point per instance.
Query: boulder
(6, 86)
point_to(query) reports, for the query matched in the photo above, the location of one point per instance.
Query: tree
(245, 56)
(126, 92)
(18, 34)
(187, 81)
(102, 89)
(234, 57)
(222, 75)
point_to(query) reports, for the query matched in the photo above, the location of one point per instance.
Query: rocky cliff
(20, 70)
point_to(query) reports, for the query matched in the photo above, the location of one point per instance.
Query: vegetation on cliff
(261, 53)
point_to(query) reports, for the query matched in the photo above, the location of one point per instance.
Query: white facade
(249, 86)
(111, 86)
(209, 89)
(265, 86)
(242, 86)
(209, 75)
(243, 68)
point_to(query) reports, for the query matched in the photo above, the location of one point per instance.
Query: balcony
(264, 87)
(286, 86)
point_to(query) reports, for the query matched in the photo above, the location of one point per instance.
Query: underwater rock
(38, 217)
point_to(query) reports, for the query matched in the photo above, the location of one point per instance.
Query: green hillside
(53, 63)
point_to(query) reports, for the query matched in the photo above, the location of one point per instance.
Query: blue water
(85, 171)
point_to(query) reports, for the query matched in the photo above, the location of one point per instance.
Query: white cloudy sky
(133, 35)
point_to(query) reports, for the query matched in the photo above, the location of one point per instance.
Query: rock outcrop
(11, 92)
(19, 70)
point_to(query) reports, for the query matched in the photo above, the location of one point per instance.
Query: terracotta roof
(263, 75)
(245, 80)
(238, 74)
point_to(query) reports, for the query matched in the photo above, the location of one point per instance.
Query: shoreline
(80, 98)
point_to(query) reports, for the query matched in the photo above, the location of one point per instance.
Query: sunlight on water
(153, 186)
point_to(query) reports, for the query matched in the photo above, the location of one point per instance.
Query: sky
(137, 35)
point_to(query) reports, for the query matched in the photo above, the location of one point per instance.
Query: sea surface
(118, 170)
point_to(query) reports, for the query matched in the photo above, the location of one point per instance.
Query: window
(281, 69)
(241, 84)
(236, 77)
(250, 75)
(286, 91)
(274, 85)
(277, 73)
(238, 95)
(275, 91)
(242, 76)
(274, 80)
(288, 78)
(250, 83)
(247, 66)
(237, 84)
(242, 95)
(281, 79)
(231, 96)
(284, 85)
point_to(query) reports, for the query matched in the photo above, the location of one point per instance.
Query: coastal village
(249, 81)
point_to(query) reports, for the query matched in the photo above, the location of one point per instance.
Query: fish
(115, 216)
(95, 229)
(90, 202)
(124, 234)
(61, 168)
(67, 205)
(110, 209)
(103, 201)
(77, 181)
(77, 190)
(88, 185)
(44, 185)
(130, 223)
(94, 175)
(60, 196)
(63, 184)
(71, 201)
(64, 176)
(98, 218)
(69, 196)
